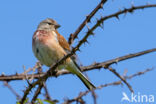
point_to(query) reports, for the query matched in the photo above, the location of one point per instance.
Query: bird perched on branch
(49, 47)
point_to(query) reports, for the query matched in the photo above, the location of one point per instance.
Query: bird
(49, 47)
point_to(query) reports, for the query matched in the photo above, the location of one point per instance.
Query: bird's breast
(46, 48)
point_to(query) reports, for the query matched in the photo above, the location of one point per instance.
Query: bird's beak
(57, 26)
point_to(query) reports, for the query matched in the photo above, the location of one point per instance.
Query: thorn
(120, 9)
(125, 72)
(92, 33)
(117, 16)
(131, 11)
(88, 16)
(125, 12)
(3, 74)
(102, 23)
(87, 41)
(125, 9)
(101, 6)
(102, 26)
(28, 82)
(97, 19)
(88, 27)
(89, 21)
(116, 61)
(78, 49)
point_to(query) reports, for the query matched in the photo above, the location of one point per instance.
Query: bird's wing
(62, 41)
(64, 44)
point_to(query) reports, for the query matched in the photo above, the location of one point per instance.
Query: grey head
(48, 24)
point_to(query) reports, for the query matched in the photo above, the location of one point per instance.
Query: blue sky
(132, 33)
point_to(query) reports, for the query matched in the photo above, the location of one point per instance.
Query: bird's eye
(49, 23)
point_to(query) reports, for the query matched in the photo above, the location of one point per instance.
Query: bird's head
(48, 24)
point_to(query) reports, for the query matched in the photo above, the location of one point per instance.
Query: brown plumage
(62, 41)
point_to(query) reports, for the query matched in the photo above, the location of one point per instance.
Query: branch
(121, 78)
(47, 95)
(69, 101)
(104, 64)
(130, 10)
(12, 90)
(75, 34)
(37, 92)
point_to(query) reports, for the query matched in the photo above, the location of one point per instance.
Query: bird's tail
(86, 82)
(75, 69)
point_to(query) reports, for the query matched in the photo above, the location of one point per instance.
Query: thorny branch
(52, 72)
(88, 17)
(130, 10)
(69, 101)
(104, 64)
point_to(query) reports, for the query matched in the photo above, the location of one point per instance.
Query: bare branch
(130, 10)
(47, 95)
(12, 90)
(75, 34)
(121, 78)
(104, 64)
(68, 101)
(37, 92)
(94, 96)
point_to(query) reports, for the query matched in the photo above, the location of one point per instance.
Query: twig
(68, 101)
(12, 90)
(121, 78)
(37, 92)
(47, 95)
(37, 65)
(139, 73)
(94, 96)
(75, 34)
